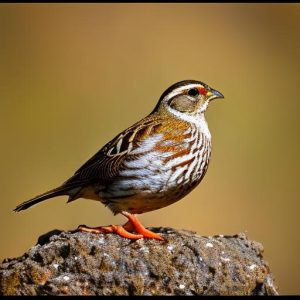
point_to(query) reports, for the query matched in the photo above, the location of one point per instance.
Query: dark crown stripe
(179, 84)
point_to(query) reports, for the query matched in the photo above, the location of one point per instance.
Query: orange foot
(133, 225)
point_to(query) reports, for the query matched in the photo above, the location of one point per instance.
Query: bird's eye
(193, 92)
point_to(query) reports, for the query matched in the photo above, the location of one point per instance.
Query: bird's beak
(213, 94)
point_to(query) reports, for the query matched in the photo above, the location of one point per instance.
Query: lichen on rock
(77, 263)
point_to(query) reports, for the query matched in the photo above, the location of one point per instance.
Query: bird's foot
(120, 230)
(134, 224)
(126, 231)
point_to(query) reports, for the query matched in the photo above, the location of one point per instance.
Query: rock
(76, 263)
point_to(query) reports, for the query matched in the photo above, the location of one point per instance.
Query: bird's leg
(139, 228)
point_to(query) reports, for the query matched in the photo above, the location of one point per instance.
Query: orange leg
(133, 225)
(111, 229)
(139, 228)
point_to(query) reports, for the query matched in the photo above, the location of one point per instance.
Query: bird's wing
(106, 163)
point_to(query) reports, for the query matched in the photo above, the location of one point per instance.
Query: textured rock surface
(75, 263)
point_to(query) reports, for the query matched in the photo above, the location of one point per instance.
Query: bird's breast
(159, 173)
(163, 164)
(189, 165)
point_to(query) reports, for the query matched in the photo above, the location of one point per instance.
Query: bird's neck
(203, 127)
(198, 120)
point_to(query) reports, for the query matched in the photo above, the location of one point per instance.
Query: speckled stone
(76, 263)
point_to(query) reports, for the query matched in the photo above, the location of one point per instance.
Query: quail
(152, 164)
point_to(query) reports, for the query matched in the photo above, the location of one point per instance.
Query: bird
(152, 164)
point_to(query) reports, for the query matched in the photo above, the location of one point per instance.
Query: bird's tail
(60, 191)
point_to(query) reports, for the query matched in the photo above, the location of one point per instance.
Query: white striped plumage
(140, 177)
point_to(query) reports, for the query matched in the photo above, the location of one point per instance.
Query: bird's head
(186, 98)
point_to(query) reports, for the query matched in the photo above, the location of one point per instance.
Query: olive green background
(72, 76)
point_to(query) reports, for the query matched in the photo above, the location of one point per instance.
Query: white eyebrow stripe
(180, 89)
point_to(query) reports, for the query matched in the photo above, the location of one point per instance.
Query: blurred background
(72, 76)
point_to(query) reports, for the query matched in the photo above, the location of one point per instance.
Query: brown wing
(105, 164)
